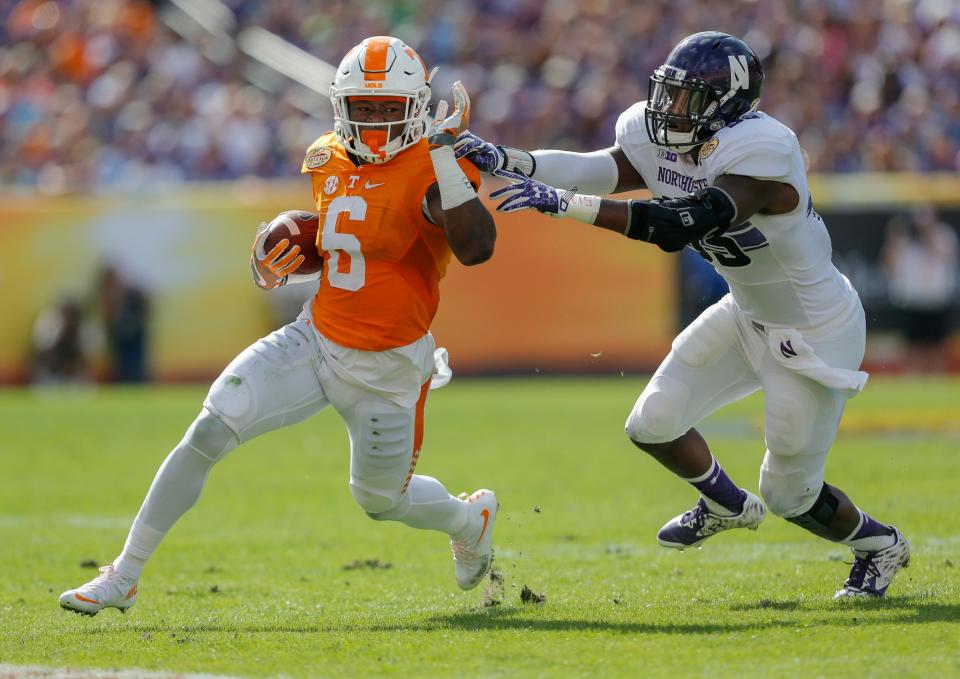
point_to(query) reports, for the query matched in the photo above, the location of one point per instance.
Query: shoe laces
(100, 585)
(695, 517)
(462, 550)
(863, 567)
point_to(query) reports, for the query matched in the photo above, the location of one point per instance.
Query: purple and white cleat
(873, 572)
(693, 527)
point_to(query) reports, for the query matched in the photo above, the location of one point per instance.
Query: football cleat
(472, 549)
(693, 527)
(110, 589)
(873, 572)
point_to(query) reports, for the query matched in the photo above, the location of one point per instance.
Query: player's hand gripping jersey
(383, 258)
(778, 266)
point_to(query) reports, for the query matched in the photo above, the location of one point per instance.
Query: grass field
(268, 575)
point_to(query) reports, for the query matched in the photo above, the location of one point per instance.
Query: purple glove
(490, 158)
(483, 154)
(525, 193)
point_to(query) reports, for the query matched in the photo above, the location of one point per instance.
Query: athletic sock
(129, 565)
(175, 489)
(721, 495)
(870, 535)
(427, 505)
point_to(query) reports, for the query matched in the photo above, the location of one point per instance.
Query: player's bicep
(469, 227)
(752, 195)
(628, 178)
(431, 207)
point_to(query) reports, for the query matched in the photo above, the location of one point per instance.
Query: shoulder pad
(320, 153)
(631, 123)
(758, 147)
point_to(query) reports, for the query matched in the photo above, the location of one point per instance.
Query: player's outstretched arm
(604, 172)
(670, 224)
(453, 201)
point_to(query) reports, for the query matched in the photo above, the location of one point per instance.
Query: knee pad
(376, 502)
(817, 519)
(657, 416)
(788, 492)
(233, 400)
(395, 506)
(210, 436)
(381, 438)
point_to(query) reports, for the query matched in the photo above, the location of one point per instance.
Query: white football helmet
(381, 66)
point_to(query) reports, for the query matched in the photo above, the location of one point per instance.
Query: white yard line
(40, 672)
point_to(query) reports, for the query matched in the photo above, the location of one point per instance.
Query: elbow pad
(674, 223)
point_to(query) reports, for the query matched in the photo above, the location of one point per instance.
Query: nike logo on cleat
(485, 513)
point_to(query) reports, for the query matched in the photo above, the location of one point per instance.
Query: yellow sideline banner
(557, 295)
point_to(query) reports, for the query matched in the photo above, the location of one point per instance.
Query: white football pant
(722, 357)
(278, 381)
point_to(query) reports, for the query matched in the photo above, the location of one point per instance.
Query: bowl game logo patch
(318, 157)
(709, 148)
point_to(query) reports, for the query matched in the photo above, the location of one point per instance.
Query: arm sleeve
(594, 172)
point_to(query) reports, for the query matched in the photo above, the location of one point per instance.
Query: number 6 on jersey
(335, 242)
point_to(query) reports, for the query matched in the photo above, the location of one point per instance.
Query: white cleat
(693, 527)
(472, 549)
(110, 589)
(873, 572)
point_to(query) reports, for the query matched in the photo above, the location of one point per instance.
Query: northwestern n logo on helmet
(739, 72)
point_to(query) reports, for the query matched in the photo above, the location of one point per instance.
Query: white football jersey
(778, 267)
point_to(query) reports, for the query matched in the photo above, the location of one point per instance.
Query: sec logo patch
(318, 157)
(331, 185)
(709, 148)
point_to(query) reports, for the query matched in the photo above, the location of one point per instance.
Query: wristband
(455, 188)
(582, 207)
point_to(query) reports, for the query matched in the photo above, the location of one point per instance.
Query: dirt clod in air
(493, 594)
(528, 596)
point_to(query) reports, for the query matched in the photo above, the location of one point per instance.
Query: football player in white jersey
(729, 182)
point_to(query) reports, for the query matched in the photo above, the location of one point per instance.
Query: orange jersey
(383, 260)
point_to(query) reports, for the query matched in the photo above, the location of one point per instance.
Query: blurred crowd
(102, 94)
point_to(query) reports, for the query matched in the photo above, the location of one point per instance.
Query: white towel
(791, 350)
(442, 374)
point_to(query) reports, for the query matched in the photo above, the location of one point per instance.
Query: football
(301, 228)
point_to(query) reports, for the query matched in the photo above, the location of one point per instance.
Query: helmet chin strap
(680, 145)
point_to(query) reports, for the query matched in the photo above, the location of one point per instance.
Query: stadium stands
(105, 95)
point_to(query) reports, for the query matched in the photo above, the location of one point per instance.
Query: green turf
(252, 581)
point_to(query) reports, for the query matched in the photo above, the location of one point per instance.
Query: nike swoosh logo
(485, 513)
(83, 598)
(368, 185)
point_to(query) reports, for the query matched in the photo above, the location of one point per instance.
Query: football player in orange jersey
(393, 204)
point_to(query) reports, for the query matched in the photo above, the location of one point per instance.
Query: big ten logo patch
(668, 155)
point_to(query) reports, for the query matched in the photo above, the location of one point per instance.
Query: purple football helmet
(708, 81)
